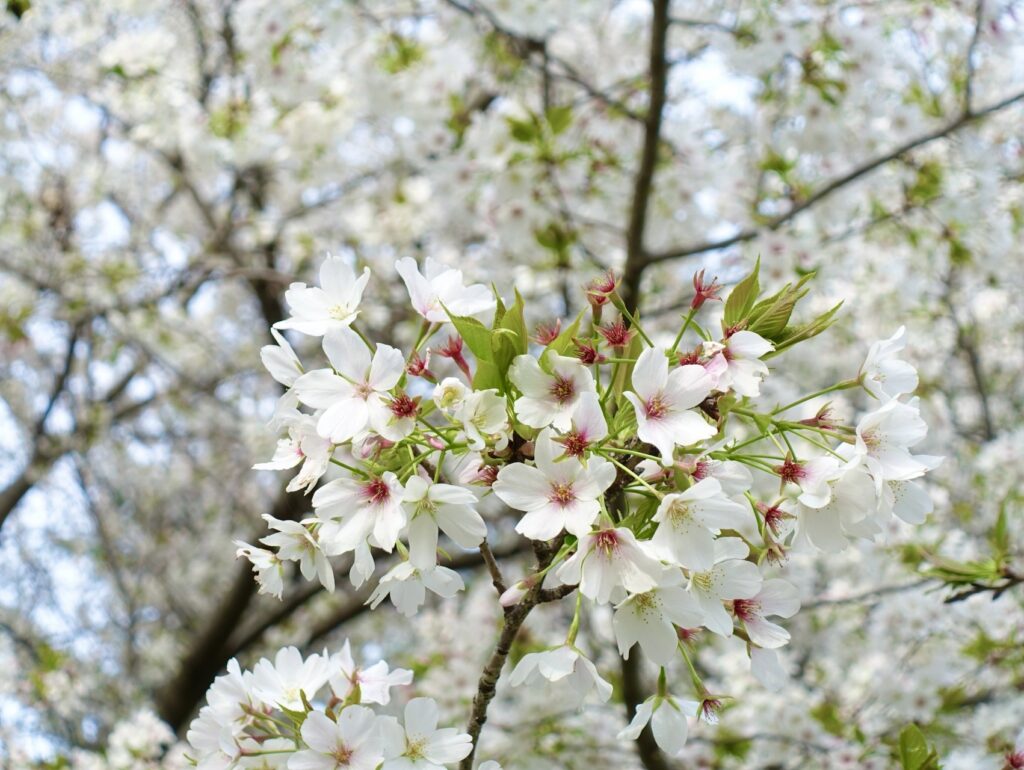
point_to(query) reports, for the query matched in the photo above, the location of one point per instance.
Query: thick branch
(643, 181)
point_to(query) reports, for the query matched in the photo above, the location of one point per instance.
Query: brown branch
(515, 616)
(979, 20)
(643, 181)
(826, 190)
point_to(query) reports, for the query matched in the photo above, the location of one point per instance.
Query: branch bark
(643, 181)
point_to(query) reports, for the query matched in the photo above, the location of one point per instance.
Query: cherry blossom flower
(303, 445)
(290, 677)
(332, 305)
(650, 618)
(767, 668)
(744, 367)
(885, 376)
(368, 685)
(587, 428)
(441, 287)
(609, 562)
(565, 665)
(294, 542)
(431, 507)
(885, 436)
(406, 586)
(267, 566)
(730, 578)
(555, 495)
(280, 360)
(663, 402)
(484, 419)
(351, 742)
(776, 597)
(418, 744)
(354, 509)
(353, 396)
(668, 719)
(850, 509)
(688, 522)
(551, 389)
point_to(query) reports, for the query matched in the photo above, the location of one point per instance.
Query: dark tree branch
(643, 181)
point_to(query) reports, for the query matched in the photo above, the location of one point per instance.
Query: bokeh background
(168, 167)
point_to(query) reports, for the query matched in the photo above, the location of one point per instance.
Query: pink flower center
(377, 491)
(701, 470)
(606, 541)
(562, 494)
(562, 389)
(402, 406)
(575, 444)
(746, 609)
(656, 407)
(791, 471)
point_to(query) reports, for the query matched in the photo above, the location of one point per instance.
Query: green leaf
(791, 335)
(562, 344)
(476, 336)
(770, 316)
(559, 118)
(525, 131)
(914, 752)
(741, 299)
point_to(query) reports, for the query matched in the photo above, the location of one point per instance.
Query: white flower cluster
(319, 713)
(630, 462)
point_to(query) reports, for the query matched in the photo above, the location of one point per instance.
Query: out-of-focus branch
(643, 181)
(836, 184)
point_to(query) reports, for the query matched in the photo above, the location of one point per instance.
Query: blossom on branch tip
(556, 494)
(663, 402)
(551, 389)
(332, 305)
(440, 287)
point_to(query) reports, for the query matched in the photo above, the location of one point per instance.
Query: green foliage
(18, 8)
(742, 298)
(914, 751)
(400, 54)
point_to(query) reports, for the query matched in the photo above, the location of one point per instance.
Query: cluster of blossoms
(644, 475)
(318, 713)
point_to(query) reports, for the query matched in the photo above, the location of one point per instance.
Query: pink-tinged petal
(521, 487)
(336, 276)
(716, 619)
(422, 536)
(778, 597)
(670, 729)
(526, 374)
(320, 733)
(766, 634)
(321, 388)
(680, 606)
(347, 353)
(911, 501)
(747, 344)
(650, 374)
(420, 717)
(387, 368)
(343, 420)
(542, 523)
(736, 579)
(688, 385)
(689, 428)
(589, 419)
(823, 529)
